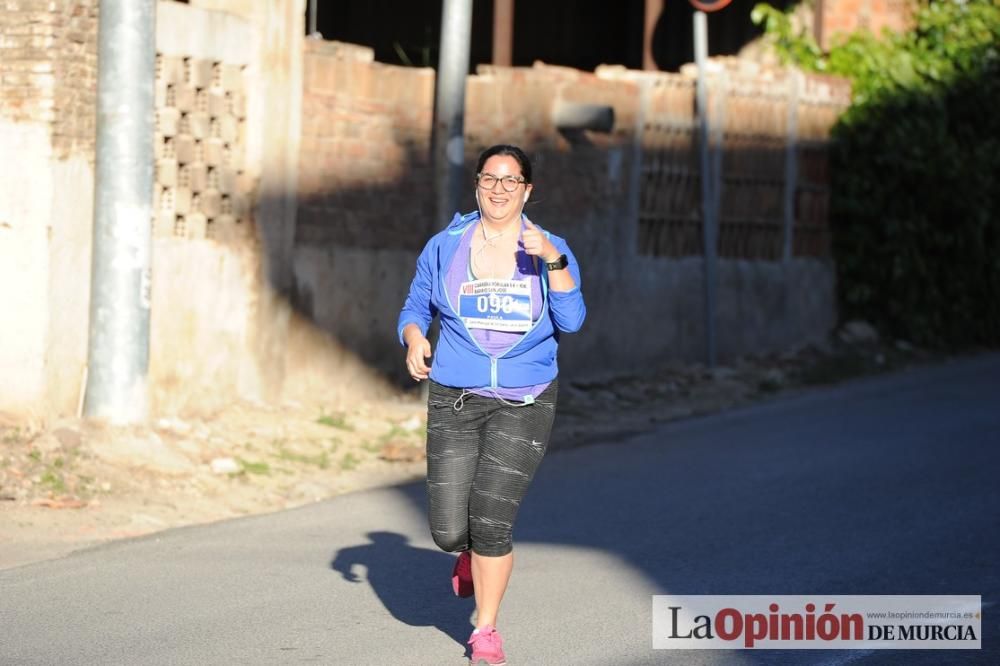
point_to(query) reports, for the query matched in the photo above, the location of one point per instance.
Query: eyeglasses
(488, 181)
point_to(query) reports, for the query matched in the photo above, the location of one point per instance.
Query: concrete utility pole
(709, 212)
(449, 120)
(118, 355)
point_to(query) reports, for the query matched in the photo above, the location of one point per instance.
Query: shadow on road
(412, 583)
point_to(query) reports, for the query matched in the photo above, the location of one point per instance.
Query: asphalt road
(880, 486)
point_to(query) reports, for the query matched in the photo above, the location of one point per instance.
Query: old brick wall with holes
(203, 189)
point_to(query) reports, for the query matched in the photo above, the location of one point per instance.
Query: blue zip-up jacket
(459, 361)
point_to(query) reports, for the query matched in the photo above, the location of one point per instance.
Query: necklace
(490, 241)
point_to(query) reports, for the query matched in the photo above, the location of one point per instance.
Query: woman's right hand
(418, 348)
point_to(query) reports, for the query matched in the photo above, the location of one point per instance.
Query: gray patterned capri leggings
(480, 460)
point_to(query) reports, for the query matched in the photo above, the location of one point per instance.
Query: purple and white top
(494, 342)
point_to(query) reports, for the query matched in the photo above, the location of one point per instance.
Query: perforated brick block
(193, 225)
(168, 121)
(208, 203)
(169, 69)
(166, 172)
(198, 72)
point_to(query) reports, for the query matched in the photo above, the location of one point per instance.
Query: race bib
(499, 305)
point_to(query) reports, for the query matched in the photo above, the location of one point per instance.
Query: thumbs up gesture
(536, 244)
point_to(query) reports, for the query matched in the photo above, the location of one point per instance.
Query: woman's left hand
(536, 244)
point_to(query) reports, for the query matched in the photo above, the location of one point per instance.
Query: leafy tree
(915, 162)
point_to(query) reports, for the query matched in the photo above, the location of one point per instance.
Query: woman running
(504, 290)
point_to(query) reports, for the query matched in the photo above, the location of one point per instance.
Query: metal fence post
(791, 162)
(313, 20)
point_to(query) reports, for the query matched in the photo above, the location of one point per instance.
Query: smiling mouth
(499, 202)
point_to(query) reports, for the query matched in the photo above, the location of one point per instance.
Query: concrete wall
(25, 209)
(206, 278)
(48, 57)
(274, 127)
(220, 316)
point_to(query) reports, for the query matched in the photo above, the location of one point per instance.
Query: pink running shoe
(461, 576)
(487, 647)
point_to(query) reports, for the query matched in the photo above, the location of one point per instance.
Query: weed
(335, 420)
(36, 455)
(54, 481)
(261, 468)
(348, 462)
(397, 433)
(322, 460)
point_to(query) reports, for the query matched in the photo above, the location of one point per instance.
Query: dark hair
(510, 151)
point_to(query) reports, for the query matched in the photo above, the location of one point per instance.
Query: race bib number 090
(498, 305)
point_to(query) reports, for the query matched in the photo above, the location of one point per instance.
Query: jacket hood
(459, 222)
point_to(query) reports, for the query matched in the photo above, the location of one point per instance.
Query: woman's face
(499, 205)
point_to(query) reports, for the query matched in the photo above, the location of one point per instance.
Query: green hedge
(915, 198)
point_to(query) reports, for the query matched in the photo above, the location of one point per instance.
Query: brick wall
(514, 105)
(364, 179)
(48, 68)
(366, 202)
(366, 127)
(842, 17)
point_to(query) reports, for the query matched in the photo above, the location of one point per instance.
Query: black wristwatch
(559, 264)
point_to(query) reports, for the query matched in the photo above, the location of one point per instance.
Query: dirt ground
(78, 483)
